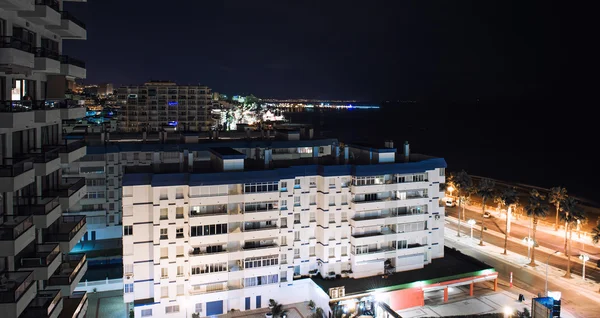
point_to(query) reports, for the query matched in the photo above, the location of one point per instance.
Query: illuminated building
(248, 220)
(157, 105)
(38, 274)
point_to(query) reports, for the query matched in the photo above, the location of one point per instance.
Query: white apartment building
(38, 276)
(103, 168)
(159, 105)
(258, 222)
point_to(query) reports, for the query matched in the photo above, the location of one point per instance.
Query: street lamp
(547, 260)
(584, 258)
(471, 222)
(507, 312)
(529, 242)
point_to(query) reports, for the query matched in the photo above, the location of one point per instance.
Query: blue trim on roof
(236, 177)
(400, 168)
(205, 146)
(227, 153)
(371, 149)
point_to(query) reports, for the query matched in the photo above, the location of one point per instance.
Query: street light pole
(471, 223)
(584, 258)
(547, 260)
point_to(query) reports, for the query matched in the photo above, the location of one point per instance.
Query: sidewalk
(548, 229)
(588, 287)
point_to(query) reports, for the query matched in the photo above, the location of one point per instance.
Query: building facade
(38, 275)
(159, 105)
(258, 221)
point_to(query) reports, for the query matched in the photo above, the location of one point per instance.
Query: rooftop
(453, 265)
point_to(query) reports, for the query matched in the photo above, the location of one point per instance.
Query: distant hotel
(252, 218)
(157, 105)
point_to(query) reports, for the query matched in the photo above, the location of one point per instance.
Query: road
(518, 231)
(573, 301)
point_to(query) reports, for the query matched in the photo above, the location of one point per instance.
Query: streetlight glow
(507, 311)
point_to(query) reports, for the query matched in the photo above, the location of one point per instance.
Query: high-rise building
(38, 275)
(159, 105)
(252, 222)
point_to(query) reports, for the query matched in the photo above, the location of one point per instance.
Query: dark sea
(534, 145)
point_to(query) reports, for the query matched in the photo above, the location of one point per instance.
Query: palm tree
(596, 234)
(507, 198)
(319, 313)
(535, 209)
(557, 196)
(463, 184)
(571, 215)
(485, 190)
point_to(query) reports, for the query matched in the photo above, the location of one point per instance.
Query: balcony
(16, 173)
(43, 261)
(17, 5)
(70, 191)
(72, 111)
(15, 114)
(69, 150)
(16, 232)
(67, 231)
(70, 27)
(46, 12)
(45, 161)
(17, 290)
(46, 61)
(72, 67)
(75, 306)
(69, 273)
(47, 303)
(45, 210)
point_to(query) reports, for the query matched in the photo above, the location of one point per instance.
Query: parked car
(450, 203)
(487, 214)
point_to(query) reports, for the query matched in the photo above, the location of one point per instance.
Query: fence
(101, 285)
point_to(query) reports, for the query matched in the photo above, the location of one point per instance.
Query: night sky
(367, 50)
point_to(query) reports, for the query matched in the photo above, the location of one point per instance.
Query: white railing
(100, 285)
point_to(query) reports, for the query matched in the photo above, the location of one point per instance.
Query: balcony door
(23, 89)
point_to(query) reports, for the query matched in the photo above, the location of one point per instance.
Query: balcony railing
(11, 42)
(50, 3)
(13, 226)
(47, 53)
(43, 155)
(379, 250)
(267, 227)
(69, 187)
(256, 247)
(35, 205)
(12, 167)
(44, 255)
(68, 270)
(13, 285)
(74, 304)
(65, 59)
(65, 228)
(68, 16)
(43, 304)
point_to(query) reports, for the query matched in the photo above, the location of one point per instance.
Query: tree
(507, 198)
(319, 313)
(571, 215)
(485, 190)
(523, 314)
(535, 209)
(557, 196)
(463, 184)
(596, 234)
